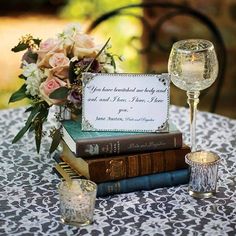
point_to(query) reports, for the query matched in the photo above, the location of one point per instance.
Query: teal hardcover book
(91, 143)
(147, 182)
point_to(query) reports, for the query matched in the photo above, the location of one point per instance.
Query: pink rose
(84, 46)
(48, 45)
(60, 65)
(58, 59)
(48, 86)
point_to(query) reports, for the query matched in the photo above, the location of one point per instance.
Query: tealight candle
(77, 201)
(193, 70)
(203, 173)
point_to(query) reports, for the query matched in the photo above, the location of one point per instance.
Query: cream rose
(48, 86)
(84, 46)
(47, 46)
(46, 50)
(60, 65)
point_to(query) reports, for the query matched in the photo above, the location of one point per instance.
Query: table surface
(29, 203)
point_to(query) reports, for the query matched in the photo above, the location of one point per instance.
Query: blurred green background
(46, 18)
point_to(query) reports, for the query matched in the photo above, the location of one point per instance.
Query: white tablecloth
(29, 202)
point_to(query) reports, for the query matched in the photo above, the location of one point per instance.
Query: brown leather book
(101, 169)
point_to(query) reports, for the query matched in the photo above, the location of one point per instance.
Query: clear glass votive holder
(77, 201)
(203, 173)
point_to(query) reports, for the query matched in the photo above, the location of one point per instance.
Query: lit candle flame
(193, 57)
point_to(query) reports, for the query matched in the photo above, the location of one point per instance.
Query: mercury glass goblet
(193, 66)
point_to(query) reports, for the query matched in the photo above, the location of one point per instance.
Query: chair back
(156, 20)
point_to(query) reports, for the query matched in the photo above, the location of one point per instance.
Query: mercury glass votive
(203, 173)
(77, 201)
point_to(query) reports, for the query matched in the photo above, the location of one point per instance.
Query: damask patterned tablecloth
(29, 203)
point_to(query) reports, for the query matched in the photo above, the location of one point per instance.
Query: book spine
(128, 144)
(148, 182)
(101, 169)
(127, 166)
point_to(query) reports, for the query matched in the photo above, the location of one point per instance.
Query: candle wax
(193, 69)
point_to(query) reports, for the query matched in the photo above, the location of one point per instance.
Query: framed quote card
(125, 102)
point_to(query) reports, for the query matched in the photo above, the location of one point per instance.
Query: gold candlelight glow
(193, 57)
(204, 157)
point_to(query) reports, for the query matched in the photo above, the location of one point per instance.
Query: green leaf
(37, 41)
(19, 94)
(33, 113)
(20, 47)
(38, 115)
(32, 55)
(113, 63)
(28, 123)
(38, 123)
(72, 75)
(43, 114)
(104, 46)
(22, 132)
(38, 126)
(60, 93)
(29, 109)
(31, 128)
(56, 139)
(22, 77)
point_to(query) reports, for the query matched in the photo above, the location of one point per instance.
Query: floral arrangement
(52, 73)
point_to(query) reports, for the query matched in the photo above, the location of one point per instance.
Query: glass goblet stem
(193, 100)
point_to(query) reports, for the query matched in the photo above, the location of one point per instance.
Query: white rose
(67, 36)
(72, 29)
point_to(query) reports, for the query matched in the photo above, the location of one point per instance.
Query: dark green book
(147, 182)
(91, 143)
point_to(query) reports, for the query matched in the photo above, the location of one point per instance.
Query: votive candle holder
(203, 173)
(77, 201)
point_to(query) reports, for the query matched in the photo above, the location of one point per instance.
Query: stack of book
(121, 162)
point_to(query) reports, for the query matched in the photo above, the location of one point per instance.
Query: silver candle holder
(203, 173)
(77, 201)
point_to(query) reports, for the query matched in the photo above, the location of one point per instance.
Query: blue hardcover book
(91, 143)
(147, 182)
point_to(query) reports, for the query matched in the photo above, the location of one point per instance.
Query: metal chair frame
(176, 9)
